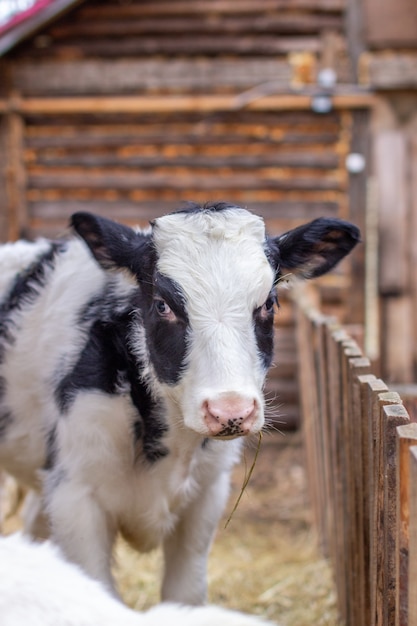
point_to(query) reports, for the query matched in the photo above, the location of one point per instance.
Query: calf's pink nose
(230, 415)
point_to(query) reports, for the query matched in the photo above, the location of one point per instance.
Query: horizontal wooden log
(133, 180)
(255, 122)
(126, 76)
(389, 70)
(307, 22)
(200, 6)
(125, 209)
(310, 161)
(228, 144)
(191, 103)
(185, 45)
(242, 197)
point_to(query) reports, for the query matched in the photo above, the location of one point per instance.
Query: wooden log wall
(361, 450)
(183, 45)
(287, 166)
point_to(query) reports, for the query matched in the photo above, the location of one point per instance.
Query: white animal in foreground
(39, 588)
(132, 366)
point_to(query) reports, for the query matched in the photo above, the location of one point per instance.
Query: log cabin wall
(387, 64)
(128, 109)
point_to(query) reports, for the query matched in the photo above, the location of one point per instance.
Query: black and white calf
(130, 368)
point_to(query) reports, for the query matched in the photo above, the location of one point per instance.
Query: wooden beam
(391, 165)
(17, 218)
(215, 6)
(389, 70)
(192, 103)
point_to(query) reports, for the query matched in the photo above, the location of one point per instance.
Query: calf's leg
(186, 549)
(82, 530)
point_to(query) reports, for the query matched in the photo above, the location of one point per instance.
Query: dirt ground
(266, 561)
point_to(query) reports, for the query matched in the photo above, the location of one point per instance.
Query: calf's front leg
(187, 548)
(82, 529)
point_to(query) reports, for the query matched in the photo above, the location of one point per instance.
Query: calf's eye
(266, 309)
(164, 310)
(268, 305)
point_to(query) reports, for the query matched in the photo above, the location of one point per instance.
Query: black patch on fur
(107, 365)
(166, 340)
(26, 285)
(6, 418)
(264, 331)
(24, 290)
(209, 207)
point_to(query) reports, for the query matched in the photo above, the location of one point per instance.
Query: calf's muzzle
(231, 415)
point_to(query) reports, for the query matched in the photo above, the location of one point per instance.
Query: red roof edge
(28, 22)
(20, 17)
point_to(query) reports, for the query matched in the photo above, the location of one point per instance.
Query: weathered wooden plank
(406, 437)
(334, 338)
(357, 367)
(77, 157)
(4, 172)
(391, 170)
(350, 357)
(392, 416)
(63, 209)
(198, 6)
(389, 71)
(174, 103)
(15, 204)
(252, 122)
(124, 76)
(245, 197)
(369, 388)
(227, 144)
(262, 45)
(236, 25)
(373, 392)
(412, 142)
(151, 180)
(398, 350)
(382, 501)
(359, 143)
(412, 574)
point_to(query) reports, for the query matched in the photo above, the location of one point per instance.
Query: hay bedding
(266, 561)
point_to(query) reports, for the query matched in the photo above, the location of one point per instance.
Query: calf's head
(208, 277)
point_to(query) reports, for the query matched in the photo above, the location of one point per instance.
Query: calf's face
(207, 278)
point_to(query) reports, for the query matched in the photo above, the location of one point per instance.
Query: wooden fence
(361, 449)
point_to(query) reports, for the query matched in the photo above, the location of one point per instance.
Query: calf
(131, 367)
(38, 587)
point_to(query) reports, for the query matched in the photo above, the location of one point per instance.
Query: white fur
(39, 588)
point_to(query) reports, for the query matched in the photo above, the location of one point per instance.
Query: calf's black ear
(314, 248)
(112, 245)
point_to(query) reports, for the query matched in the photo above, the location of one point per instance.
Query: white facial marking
(219, 261)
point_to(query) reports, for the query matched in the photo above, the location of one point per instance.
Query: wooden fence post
(412, 574)
(358, 434)
(406, 437)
